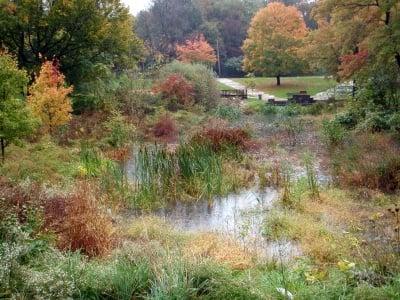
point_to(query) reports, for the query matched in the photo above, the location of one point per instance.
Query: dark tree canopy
(78, 33)
(168, 22)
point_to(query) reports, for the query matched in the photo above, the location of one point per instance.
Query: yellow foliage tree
(274, 38)
(48, 97)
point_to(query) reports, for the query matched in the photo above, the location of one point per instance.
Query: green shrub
(394, 122)
(333, 133)
(119, 130)
(374, 122)
(254, 106)
(228, 112)
(269, 109)
(314, 109)
(291, 110)
(348, 119)
(97, 91)
(202, 78)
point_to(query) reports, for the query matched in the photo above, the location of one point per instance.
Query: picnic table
(301, 98)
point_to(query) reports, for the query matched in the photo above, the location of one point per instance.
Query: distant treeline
(224, 23)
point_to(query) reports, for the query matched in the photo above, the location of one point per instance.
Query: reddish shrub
(371, 161)
(223, 136)
(165, 128)
(13, 200)
(79, 223)
(176, 87)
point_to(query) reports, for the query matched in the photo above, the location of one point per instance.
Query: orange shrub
(79, 223)
(176, 87)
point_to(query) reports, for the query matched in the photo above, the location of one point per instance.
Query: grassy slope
(311, 84)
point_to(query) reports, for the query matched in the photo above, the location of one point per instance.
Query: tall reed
(195, 170)
(312, 179)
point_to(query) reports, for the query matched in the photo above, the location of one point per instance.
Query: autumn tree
(15, 119)
(196, 50)
(223, 23)
(274, 38)
(361, 34)
(359, 40)
(48, 97)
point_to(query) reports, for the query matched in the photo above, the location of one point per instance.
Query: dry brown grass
(150, 229)
(120, 154)
(220, 249)
(369, 160)
(79, 223)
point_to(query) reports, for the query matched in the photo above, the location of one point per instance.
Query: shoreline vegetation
(124, 175)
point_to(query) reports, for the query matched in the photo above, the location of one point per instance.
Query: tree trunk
(3, 147)
(278, 80)
(398, 59)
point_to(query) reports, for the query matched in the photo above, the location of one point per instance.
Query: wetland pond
(238, 216)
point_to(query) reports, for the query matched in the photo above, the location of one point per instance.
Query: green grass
(311, 84)
(222, 86)
(42, 162)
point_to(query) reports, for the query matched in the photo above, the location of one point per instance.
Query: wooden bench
(234, 94)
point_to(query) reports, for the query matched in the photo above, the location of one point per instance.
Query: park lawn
(222, 86)
(311, 84)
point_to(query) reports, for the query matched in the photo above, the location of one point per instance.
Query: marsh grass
(311, 175)
(228, 112)
(109, 174)
(195, 170)
(287, 186)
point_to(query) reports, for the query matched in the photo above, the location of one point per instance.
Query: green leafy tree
(78, 33)
(168, 22)
(15, 119)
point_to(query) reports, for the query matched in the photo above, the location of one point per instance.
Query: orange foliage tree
(351, 63)
(274, 38)
(197, 50)
(48, 97)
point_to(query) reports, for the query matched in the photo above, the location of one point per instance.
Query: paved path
(340, 90)
(250, 92)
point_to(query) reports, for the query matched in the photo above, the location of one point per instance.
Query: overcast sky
(137, 5)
